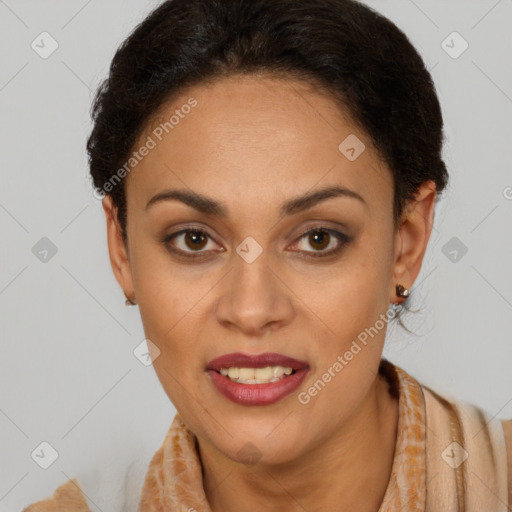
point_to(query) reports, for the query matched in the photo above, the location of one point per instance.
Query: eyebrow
(209, 206)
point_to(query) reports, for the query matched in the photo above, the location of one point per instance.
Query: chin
(262, 444)
(254, 451)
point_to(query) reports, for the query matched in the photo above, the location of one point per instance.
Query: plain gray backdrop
(68, 373)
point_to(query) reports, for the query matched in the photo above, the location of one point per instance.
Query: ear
(412, 236)
(117, 249)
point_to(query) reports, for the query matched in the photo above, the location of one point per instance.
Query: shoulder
(468, 416)
(465, 422)
(475, 447)
(468, 451)
(114, 487)
(507, 429)
(68, 497)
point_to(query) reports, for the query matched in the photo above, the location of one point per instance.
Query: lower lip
(257, 394)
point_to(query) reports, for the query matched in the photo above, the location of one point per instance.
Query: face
(261, 270)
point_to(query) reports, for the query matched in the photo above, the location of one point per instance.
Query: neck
(349, 471)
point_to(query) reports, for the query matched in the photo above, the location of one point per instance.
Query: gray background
(68, 374)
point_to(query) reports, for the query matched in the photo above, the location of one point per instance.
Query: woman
(269, 172)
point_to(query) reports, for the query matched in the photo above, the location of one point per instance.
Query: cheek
(166, 302)
(350, 312)
(165, 291)
(351, 295)
(347, 360)
(174, 307)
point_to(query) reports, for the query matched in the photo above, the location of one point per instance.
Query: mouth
(256, 379)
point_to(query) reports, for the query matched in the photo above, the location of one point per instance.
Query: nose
(254, 298)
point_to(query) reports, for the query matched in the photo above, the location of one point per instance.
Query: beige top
(449, 456)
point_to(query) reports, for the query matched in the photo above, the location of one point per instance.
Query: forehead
(262, 136)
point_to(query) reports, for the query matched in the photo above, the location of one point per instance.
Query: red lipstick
(240, 360)
(256, 394)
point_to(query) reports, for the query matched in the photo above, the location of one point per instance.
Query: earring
(401, 291)
(128, 301)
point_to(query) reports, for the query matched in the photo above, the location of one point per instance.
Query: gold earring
(128, 301)
(401, 291)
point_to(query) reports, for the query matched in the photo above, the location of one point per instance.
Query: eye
(191, 242)
(188, 241)
(320, 239)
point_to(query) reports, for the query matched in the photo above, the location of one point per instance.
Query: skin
(252, 143)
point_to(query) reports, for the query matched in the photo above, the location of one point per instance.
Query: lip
(256, 394)
(239, 360)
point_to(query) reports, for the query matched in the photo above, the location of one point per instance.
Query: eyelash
(341, 237)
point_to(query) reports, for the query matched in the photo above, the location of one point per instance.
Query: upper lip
(239, 360)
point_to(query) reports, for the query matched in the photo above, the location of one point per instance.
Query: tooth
(256, 375)
(233, 373)
(245, 373)
(263, 373)
(254, 381)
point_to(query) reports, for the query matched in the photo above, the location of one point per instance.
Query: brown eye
(188, 241)
(321, 238)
